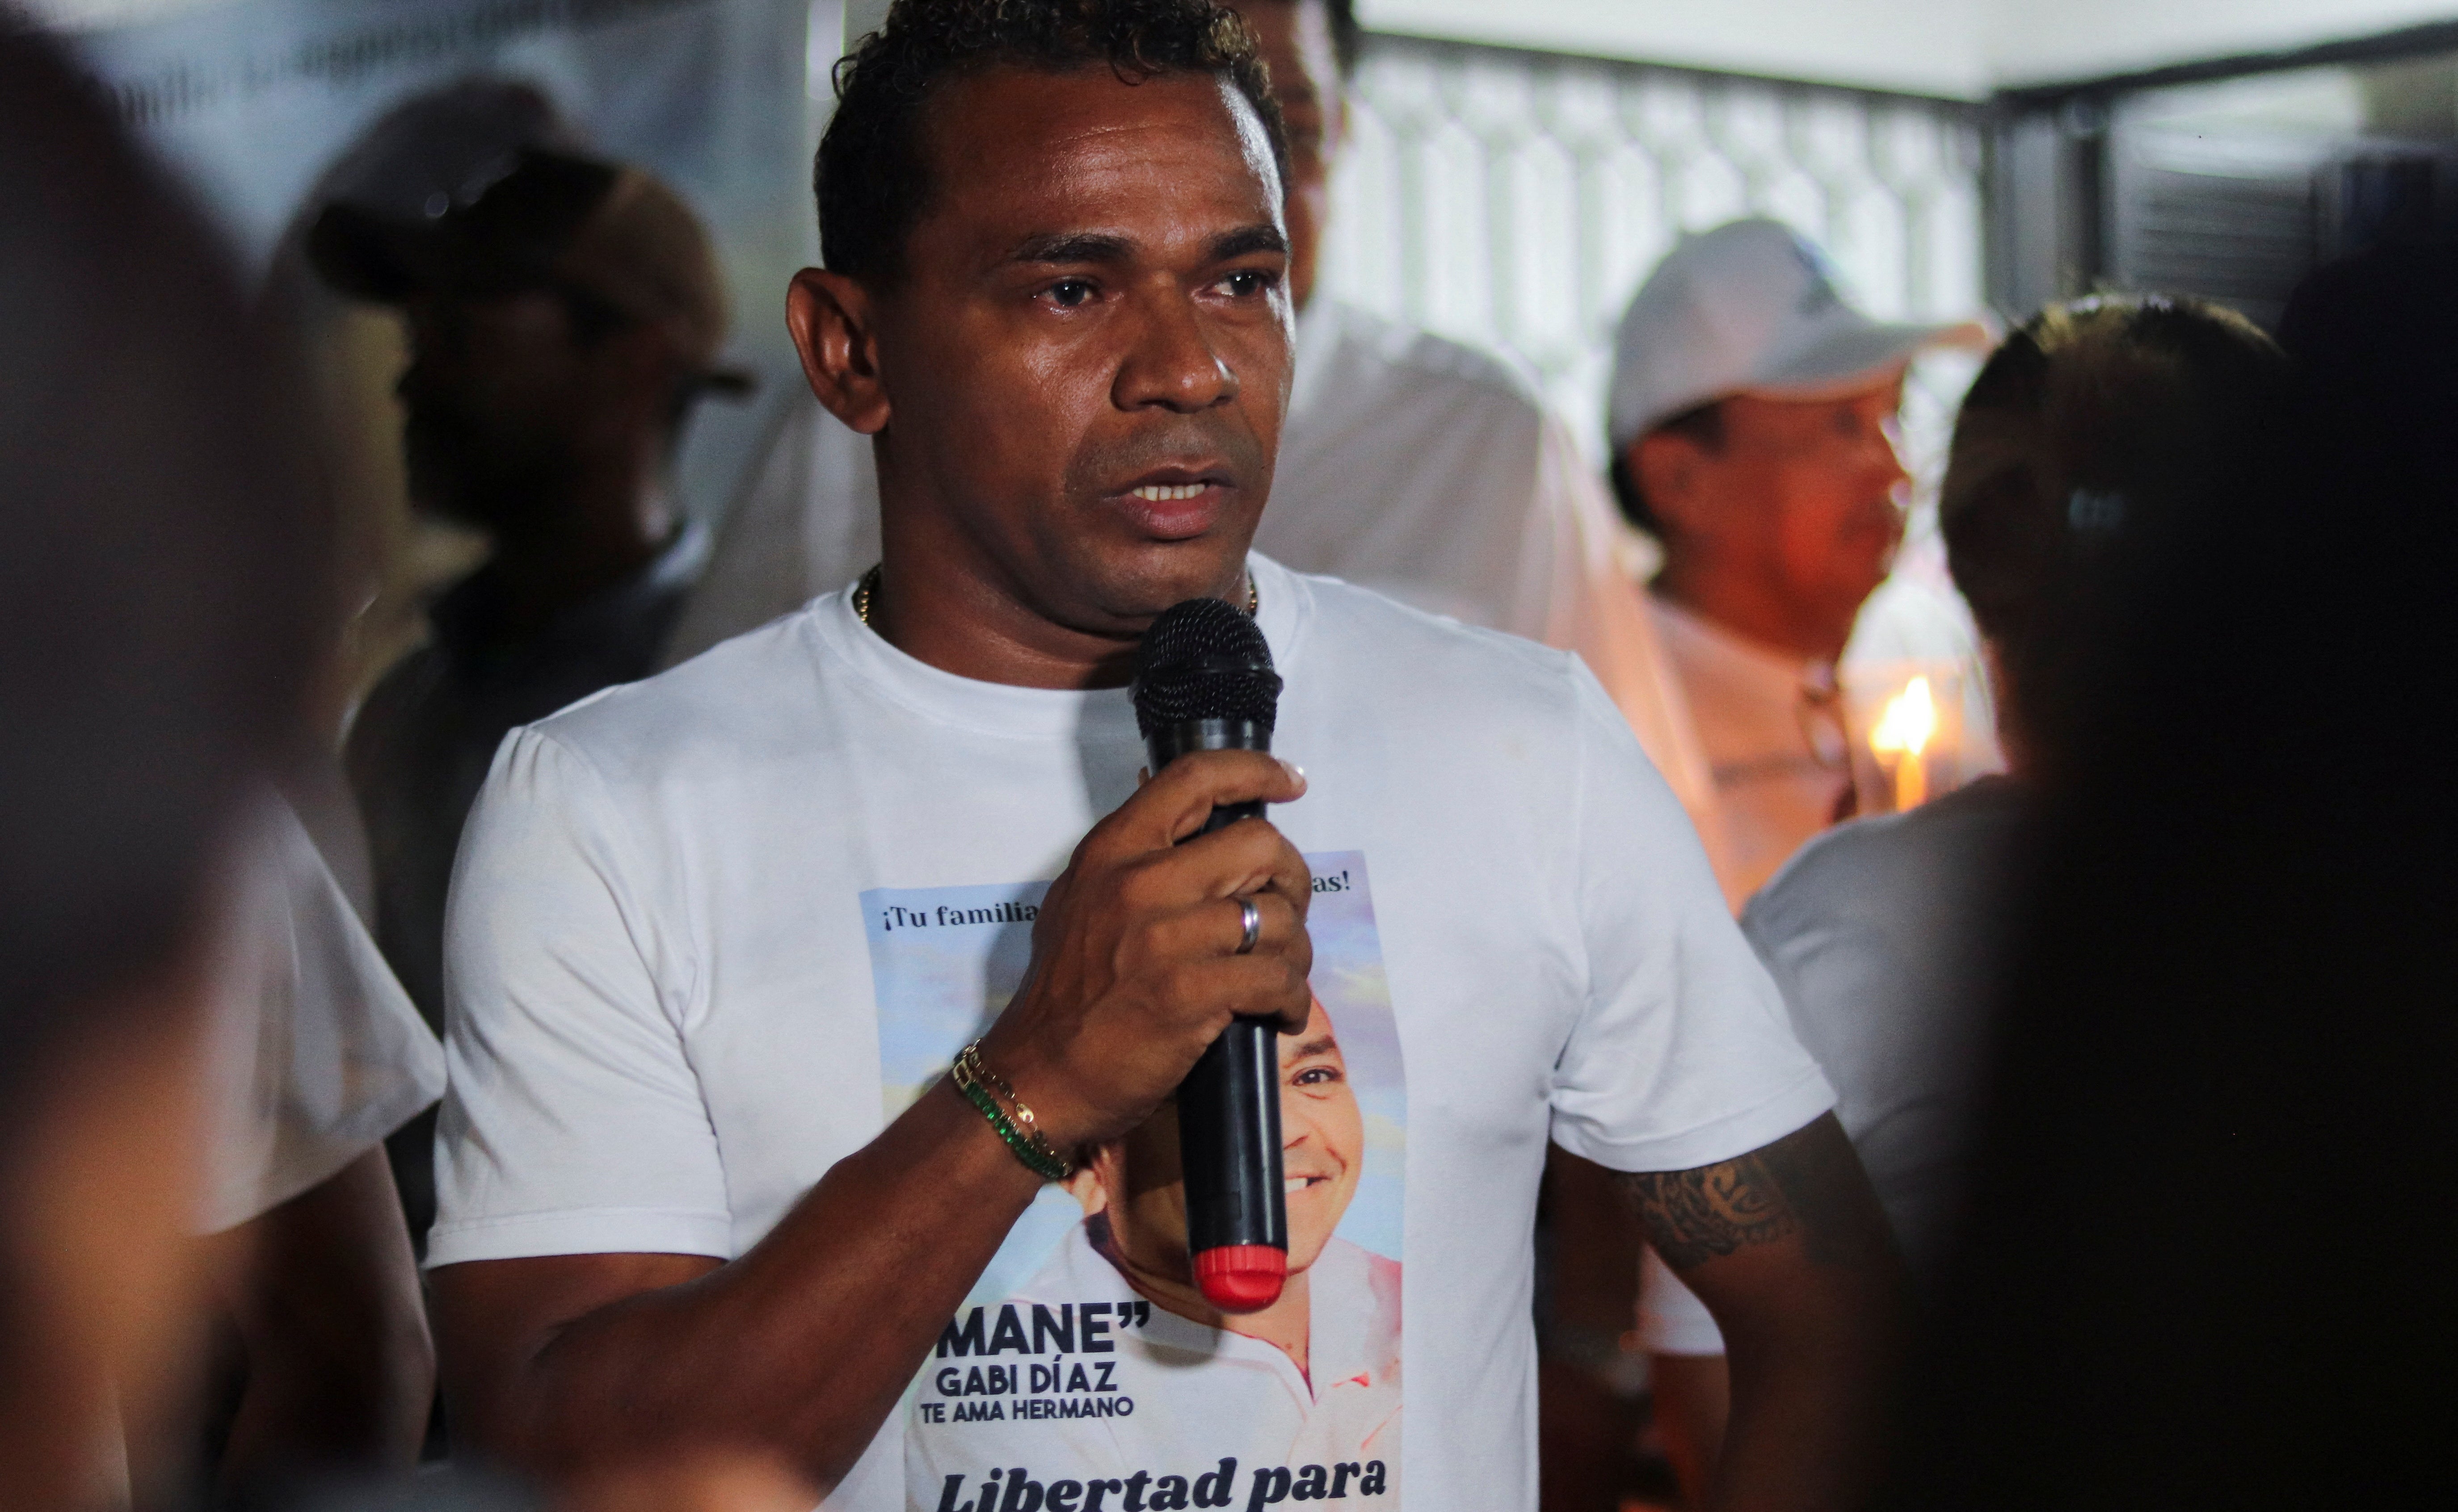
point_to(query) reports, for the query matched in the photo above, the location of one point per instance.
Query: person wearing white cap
(1410, 464)
(1751, 420)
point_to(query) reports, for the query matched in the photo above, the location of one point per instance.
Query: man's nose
(1173, 364)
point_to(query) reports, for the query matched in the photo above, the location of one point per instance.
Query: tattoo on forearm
(1801, 1184)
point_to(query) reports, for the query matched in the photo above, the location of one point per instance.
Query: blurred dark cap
(543, 220)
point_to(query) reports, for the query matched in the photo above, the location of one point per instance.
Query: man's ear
(1667, 466)
(831, 317)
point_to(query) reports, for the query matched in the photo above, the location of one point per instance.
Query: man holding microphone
(697, 919)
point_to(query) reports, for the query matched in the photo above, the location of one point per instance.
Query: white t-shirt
(1410, 464)
(709, 931)
(318, 1053)
(1881, 935)
(1166, 1371)
(1771, 724)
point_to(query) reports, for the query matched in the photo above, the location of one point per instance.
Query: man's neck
(937, 601)
(1754, 611)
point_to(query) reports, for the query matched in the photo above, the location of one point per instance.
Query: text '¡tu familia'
(894, 918)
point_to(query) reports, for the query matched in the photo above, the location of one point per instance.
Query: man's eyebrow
(1102, 247)
(1246, 241)
(1073, 247)
(1319, 1045)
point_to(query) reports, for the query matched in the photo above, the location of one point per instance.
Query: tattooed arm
(1788, 1248)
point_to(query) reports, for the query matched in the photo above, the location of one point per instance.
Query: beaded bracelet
(975, 1080)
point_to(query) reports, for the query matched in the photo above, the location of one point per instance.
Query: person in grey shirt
(2091, 426)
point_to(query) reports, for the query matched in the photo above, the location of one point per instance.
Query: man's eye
(1247, 283)
(1071, 293)
(1315, 1076)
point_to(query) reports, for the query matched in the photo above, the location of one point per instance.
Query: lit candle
(1904, 730)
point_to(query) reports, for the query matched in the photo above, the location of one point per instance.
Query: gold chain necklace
(866, 590)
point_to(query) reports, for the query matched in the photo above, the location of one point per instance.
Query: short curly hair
(872, 177)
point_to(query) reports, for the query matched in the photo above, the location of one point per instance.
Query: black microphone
(1204, 682)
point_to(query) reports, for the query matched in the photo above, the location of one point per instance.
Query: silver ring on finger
(1250, 925)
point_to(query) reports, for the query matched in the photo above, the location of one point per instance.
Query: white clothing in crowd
(666, 1023)
(1880, 933)
(318, 1053)
(1771, 724)
(1410, 464)
(1431, 472)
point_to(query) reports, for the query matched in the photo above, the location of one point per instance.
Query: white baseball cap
(1750, 307)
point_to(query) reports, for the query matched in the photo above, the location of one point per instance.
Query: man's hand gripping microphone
(1204, 682)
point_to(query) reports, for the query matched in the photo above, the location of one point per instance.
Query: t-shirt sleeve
(1881, 982)
(1684, 1054)
(573, 1123)
(320, 1054)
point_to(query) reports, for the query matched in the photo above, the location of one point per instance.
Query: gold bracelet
(977, 1081)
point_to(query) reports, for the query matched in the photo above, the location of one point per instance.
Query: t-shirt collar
(1027, 713)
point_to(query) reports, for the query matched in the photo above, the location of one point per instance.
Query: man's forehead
(1041, 150)
(1884, 389)
(1316, 1039)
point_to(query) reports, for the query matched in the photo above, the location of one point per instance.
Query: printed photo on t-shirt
(1085, 1373)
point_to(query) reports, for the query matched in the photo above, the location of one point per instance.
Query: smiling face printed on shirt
(1322, 1136)
(1136, 1183)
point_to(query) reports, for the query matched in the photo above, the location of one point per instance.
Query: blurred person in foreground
(307, 1054)
(2206, 1264)
(565, 314)
(2088, 432)
(1752, 421)
(679, 1205)
(163, 606)
(161, 598)
(1410, 464)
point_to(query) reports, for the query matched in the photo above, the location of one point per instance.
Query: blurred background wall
(1515, 170)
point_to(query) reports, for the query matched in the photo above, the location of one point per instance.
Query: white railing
(1515, 199)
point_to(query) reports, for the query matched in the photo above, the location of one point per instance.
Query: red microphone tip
(1242, 1278)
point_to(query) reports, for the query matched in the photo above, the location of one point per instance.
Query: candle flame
(1907, 721)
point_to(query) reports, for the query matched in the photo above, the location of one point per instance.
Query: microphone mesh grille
(1205, 660)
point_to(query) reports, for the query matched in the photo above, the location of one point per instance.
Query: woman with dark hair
(2204, 1264)
(2087, 434)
